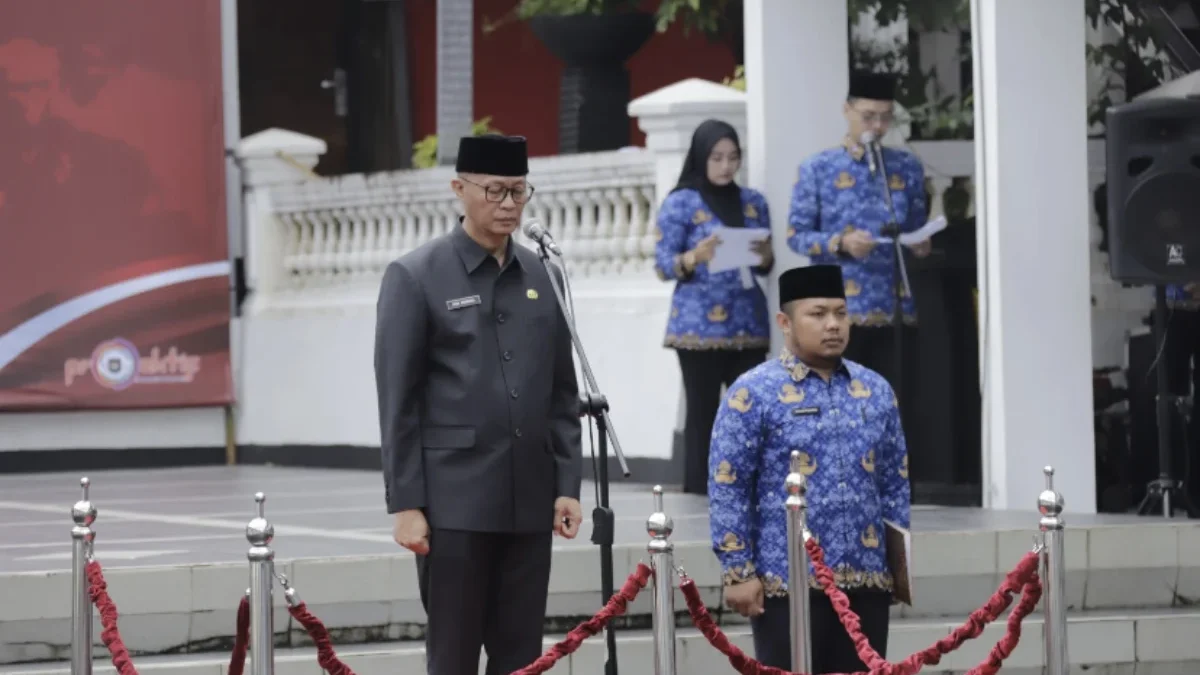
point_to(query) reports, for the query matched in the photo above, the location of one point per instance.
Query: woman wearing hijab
(718, 324)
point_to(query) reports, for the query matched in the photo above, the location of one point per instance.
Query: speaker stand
(1165, 493)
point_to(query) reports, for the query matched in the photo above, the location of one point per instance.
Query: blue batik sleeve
(733, 470)
(804, 218)
(893, 468)
(672, 239)
(913, 174)
(918, 202)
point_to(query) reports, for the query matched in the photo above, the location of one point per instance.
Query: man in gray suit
(479, 417)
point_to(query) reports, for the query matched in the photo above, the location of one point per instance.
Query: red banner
(114, 273)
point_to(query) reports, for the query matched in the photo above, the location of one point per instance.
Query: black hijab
(725, 201)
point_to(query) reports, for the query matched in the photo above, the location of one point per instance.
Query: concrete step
(174, 556)
(1101, 643)
(1153, 564)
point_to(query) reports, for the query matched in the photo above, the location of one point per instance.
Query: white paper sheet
(925, 232)
(734, 250)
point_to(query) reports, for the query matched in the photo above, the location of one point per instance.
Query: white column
(1033, 201)
(455, 69)
(232, 112)
(797, 75)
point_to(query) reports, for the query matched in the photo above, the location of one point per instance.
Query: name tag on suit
(460, 303)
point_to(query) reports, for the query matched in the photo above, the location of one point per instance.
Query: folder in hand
(899, 552)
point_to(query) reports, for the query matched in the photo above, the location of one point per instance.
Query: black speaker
(1153, 163)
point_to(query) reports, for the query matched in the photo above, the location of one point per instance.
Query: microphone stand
(899, 275)
(594, 405)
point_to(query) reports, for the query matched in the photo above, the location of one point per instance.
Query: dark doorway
(333, 69)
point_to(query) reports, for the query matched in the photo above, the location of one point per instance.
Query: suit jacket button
(517, 433)
(500, 317)
(507, 356)
(514, 393)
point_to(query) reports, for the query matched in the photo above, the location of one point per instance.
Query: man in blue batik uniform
(843, 418)
(837, 215)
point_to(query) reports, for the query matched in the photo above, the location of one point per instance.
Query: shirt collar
(852, 146)
(799, 371)
(473, 255)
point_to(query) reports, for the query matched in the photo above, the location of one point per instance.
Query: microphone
(537, 233)
(868, 140)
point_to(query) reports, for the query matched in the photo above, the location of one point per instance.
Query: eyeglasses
(497, 193)
(871, 117)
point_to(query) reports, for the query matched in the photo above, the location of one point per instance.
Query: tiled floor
(198, 515)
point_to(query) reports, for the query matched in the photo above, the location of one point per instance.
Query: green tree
(923, 15)
(1130, 65)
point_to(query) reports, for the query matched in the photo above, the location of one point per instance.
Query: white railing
(341, 231)
(324, 240)
(320, 234)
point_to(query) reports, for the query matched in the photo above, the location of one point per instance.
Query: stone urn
(594, 91)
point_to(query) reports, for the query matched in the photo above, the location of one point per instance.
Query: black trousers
(704, 373)
(875, 348)
(483, 589)
(832, 650)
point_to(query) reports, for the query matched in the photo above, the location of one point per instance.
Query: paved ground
(198, 515)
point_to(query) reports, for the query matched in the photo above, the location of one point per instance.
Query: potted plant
(593, 39)
(425, 150)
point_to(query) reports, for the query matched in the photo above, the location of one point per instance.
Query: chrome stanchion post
(82, 536)
(259, 533)
(662, 559)
(1054, 576)
(797, 532)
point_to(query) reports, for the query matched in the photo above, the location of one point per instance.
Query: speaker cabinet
(1153, 163)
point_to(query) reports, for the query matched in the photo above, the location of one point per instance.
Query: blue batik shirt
(855, 461)
(709, 310)
(1179, 297)
(835, 194)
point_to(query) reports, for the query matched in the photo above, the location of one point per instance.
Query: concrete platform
(173, 546)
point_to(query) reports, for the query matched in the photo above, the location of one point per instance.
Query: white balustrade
(321, 234)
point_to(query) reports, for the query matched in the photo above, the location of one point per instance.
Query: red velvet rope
(237, 661)
(111, 634)
(615, 607)
(1022, 578)
(326, 658)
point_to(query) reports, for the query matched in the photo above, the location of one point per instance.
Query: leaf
(425, 150)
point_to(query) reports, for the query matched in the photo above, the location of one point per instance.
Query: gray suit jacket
(478, 401)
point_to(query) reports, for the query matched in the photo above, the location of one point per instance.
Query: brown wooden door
(292, 72)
